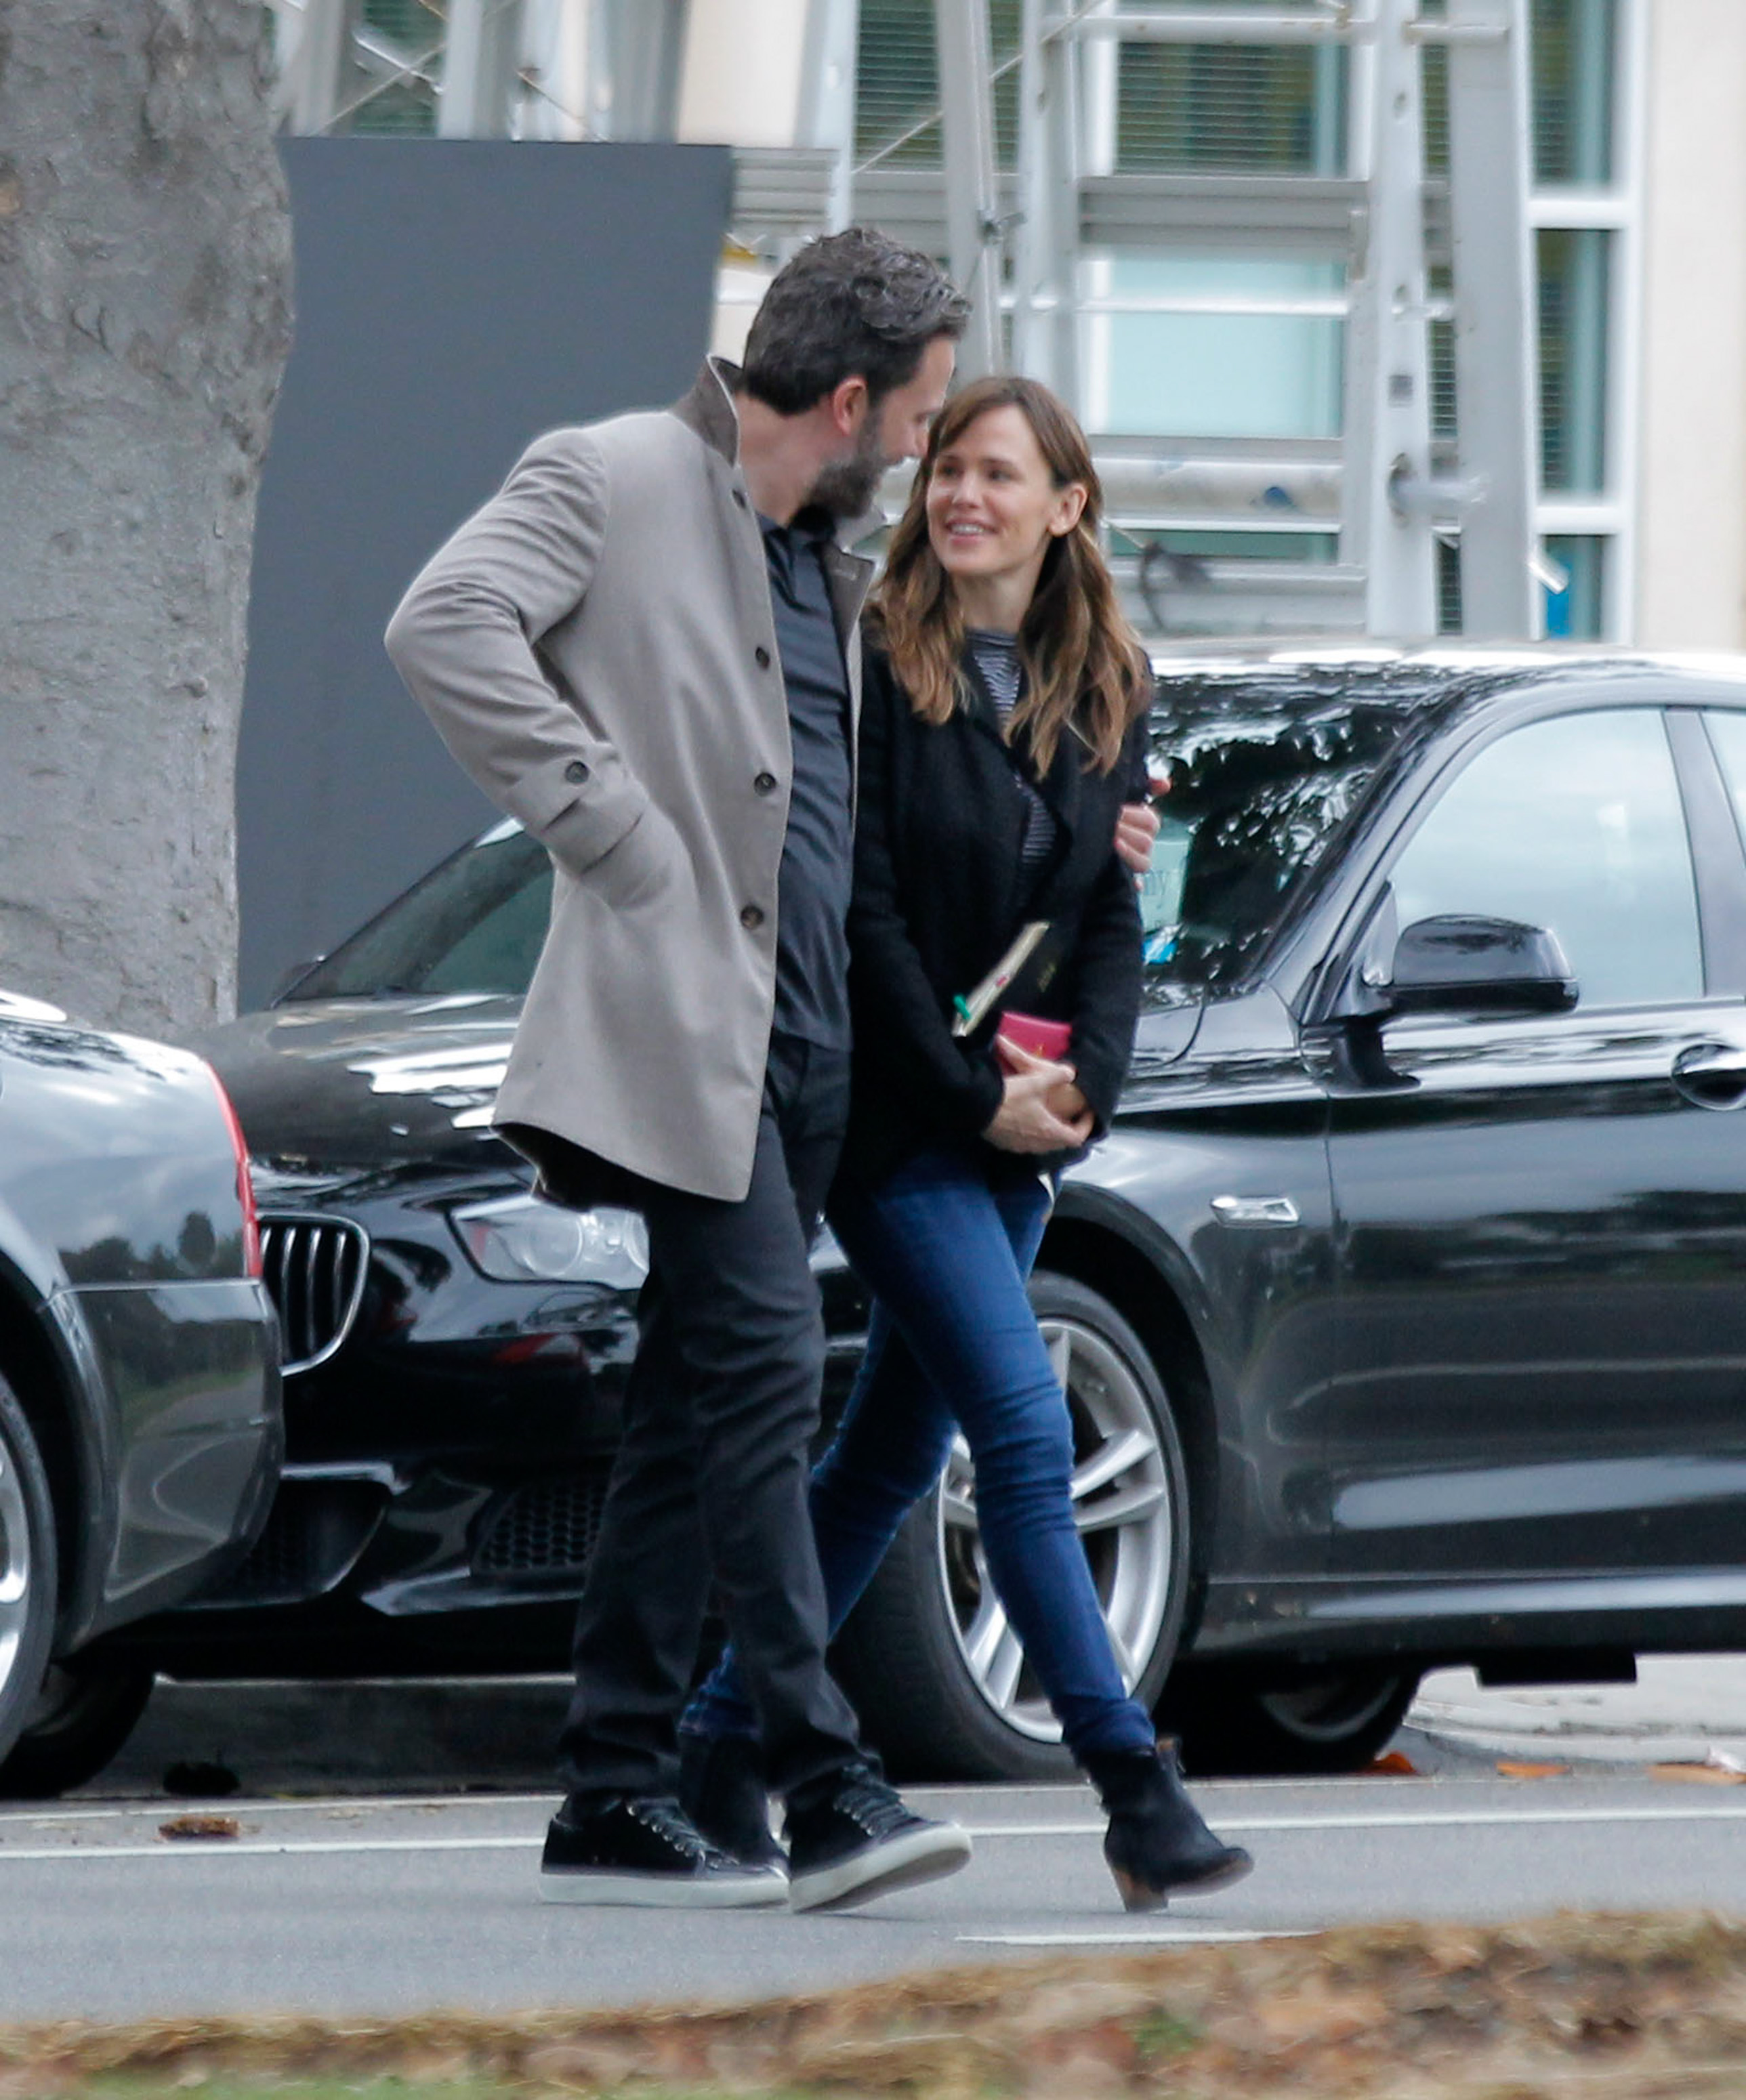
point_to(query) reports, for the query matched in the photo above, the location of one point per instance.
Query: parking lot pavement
(354, 1737)
(498, 1734)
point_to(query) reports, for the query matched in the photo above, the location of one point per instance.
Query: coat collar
(708, 411)
(708, 408)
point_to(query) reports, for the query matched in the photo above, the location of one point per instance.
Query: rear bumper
(196, 1431)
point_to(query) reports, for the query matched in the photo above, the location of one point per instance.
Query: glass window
(1577, 825)
(1727, 732)
(1263, 778)
(1238, 375)
(1574, 269)
(1450, 615)
(1577, 611)
(1573, 41)
(897, 82)
(1571, 47)
(1194, 109)
(403, 107)
(476, 922)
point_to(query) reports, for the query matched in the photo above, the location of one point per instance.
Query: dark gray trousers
(710, 1481)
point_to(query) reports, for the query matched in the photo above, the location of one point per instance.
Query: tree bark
(144, 319)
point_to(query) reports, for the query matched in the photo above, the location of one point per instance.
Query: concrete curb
(1681, 1709)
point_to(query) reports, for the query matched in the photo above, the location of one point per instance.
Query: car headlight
(523, 1239)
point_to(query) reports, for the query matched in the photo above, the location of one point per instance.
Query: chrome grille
(314, 1269)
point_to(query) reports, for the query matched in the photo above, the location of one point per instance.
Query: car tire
(29, 1570)
(84, 1713)
(935, 1672)
(1335, 1722)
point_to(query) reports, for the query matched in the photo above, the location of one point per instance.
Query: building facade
(1212, 333)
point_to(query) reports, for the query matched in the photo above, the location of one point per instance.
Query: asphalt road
(356, 1906)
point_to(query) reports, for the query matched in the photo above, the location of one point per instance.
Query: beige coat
(597, 648)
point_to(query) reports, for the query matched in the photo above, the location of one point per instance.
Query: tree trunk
(144, 319)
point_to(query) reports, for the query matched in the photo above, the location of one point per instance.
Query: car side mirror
(1459, 963)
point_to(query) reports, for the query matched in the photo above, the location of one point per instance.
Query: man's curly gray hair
(851, 304)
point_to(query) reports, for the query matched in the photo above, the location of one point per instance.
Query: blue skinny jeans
(953, 1344)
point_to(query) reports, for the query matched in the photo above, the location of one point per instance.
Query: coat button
(576, 770)
(765, 782)
(751, 918)
(762, 655)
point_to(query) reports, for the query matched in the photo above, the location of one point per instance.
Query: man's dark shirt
(812, 897)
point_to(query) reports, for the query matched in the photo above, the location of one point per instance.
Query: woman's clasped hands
(1042, 1109)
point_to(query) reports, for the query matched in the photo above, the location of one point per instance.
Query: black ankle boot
(1157, 1841)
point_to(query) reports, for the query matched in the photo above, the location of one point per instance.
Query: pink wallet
(1030, 1031)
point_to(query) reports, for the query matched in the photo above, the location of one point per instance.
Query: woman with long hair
(1002, 727)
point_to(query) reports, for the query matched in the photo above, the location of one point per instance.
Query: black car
(1402, 1316)
(140, 1429)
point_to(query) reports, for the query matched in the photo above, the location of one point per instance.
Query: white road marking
(1178, 1936)
(337, 1808)
(231, 1848)
(1408, 1820)
(1427, 1818)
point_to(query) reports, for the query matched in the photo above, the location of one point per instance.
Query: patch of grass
(1162, 2034)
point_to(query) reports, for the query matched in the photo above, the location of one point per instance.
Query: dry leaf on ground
(1392, 1764)
(1697, 1774)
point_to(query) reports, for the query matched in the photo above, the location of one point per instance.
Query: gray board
(454, 298)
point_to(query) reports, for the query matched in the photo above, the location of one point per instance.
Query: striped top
(997, 658)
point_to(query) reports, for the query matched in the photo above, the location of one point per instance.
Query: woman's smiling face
(993, 507)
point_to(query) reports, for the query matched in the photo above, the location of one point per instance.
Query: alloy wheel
(15, 1564)
(1333, 1709)
(1121, 1510)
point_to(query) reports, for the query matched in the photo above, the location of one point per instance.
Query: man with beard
(644, 648)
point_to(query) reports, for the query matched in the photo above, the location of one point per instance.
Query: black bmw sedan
(1401, 1317)
(140, 1431)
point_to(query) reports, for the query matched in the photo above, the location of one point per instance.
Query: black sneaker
(644, 1848)
(722, 1789)
(851, 1838)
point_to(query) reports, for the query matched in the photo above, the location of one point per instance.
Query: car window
(476, 922)
(1727, 735)
(1262, 779)
(1575, 824)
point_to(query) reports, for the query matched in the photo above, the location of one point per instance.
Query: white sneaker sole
(600, 1886)
(923, 1856)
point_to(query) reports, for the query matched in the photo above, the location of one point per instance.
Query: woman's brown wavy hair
(1085, 668)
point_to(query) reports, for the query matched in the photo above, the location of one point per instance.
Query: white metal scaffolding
(1391, 498)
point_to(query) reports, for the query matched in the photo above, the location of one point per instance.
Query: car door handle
(1711, 1074)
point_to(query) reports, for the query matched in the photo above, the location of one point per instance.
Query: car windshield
(1265, 769)
(475, 923)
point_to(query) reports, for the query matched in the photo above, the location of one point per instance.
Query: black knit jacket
(939, 895)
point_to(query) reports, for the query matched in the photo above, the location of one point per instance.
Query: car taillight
(251, 1216)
